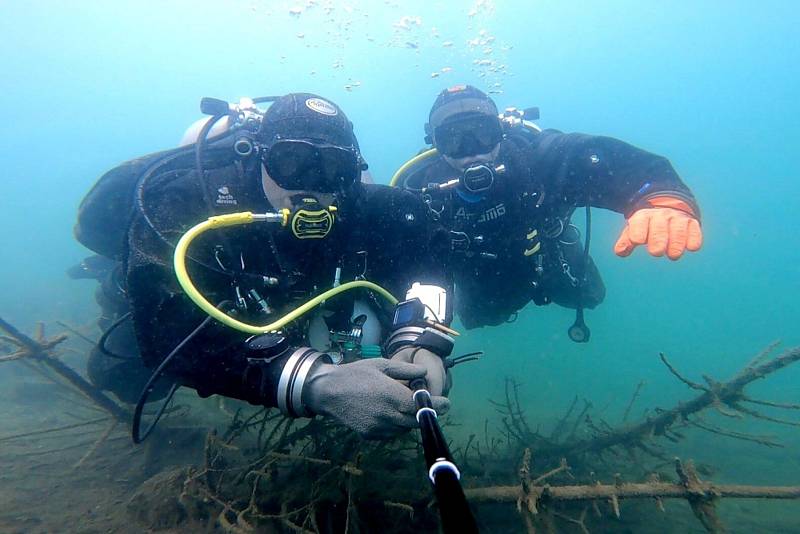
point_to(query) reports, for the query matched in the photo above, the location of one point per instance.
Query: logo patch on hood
(321, 106)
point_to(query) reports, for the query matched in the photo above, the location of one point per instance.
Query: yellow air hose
(410, 163)
(246, 217)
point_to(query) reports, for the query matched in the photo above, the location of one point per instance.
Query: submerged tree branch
(728, 393)
(40, 351)
(661, 490)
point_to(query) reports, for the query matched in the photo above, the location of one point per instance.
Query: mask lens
(288, 162)
(297, 165)
(468, 137)
(340, 165)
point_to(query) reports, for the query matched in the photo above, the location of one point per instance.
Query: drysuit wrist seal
(673, 199)
(423, 337)
(293, 378)
(437, 342)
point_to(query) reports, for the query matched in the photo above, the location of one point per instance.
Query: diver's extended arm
(603, 172)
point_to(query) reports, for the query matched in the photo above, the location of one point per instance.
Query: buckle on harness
(459, 241)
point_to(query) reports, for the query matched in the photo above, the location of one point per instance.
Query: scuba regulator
(244, 120)
(311, 220)
(476, 179)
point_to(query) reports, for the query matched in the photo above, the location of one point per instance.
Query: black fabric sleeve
(602, 171)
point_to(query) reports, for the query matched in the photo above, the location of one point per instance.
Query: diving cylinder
(192, 132)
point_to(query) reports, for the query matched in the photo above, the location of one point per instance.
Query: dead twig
(54, 429)
(563, 466)
(635, 396)
(76, 333)
(579, 521)
(102, 439)
(763, 354)
(761, 440)
(780, 405)
(41, 351)
(693, 385)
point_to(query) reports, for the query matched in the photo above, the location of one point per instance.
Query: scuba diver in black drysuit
(297, 166)
(507, 191)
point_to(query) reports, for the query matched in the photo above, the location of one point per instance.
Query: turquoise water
(711, 85)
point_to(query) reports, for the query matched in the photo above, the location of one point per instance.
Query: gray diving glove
(367, 396)
(438, 379)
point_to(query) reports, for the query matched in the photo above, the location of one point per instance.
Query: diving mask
(298, 164)
(474, 134)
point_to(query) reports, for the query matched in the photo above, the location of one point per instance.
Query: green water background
(711, 85)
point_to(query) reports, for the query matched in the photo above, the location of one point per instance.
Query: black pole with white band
(442, 471)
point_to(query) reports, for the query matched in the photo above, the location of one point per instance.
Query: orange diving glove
(670, 226)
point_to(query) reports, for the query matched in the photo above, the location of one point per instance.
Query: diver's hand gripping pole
(442, 471)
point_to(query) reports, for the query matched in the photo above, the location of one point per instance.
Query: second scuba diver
(283, 216)
(506, 190)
